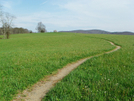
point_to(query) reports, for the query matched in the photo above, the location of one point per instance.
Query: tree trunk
(7, 34)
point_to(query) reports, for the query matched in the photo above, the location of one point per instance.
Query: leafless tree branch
(6, 20)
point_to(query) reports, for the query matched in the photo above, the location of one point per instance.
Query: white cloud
(111, 15)
(100, 13)
(44, 2)
(92, 7)
(7, 4)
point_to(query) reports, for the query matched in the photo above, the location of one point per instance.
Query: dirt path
(39, 90)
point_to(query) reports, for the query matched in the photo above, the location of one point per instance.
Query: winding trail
(39, 90)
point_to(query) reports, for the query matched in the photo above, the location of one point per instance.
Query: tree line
(6, 25)
(16, 30)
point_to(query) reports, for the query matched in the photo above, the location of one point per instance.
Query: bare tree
(6, 21)
(41, 27)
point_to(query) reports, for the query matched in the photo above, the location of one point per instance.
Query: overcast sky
(110, 15)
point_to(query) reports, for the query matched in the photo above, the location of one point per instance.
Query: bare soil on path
(39, 90)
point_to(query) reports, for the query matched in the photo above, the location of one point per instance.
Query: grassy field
(109, 77)
(27, 58)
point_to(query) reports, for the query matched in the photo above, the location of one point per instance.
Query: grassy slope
(106, 78)
(26, 58)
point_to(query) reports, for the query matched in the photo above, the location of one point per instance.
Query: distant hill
(96, 31)
(123, 33)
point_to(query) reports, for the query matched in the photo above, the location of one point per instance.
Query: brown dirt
(39, 90)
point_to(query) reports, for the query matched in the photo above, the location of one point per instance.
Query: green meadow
(27, 58)
(109, 77)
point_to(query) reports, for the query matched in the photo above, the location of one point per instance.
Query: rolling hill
(96, 31)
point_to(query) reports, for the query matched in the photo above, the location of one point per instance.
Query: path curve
(40, 89)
